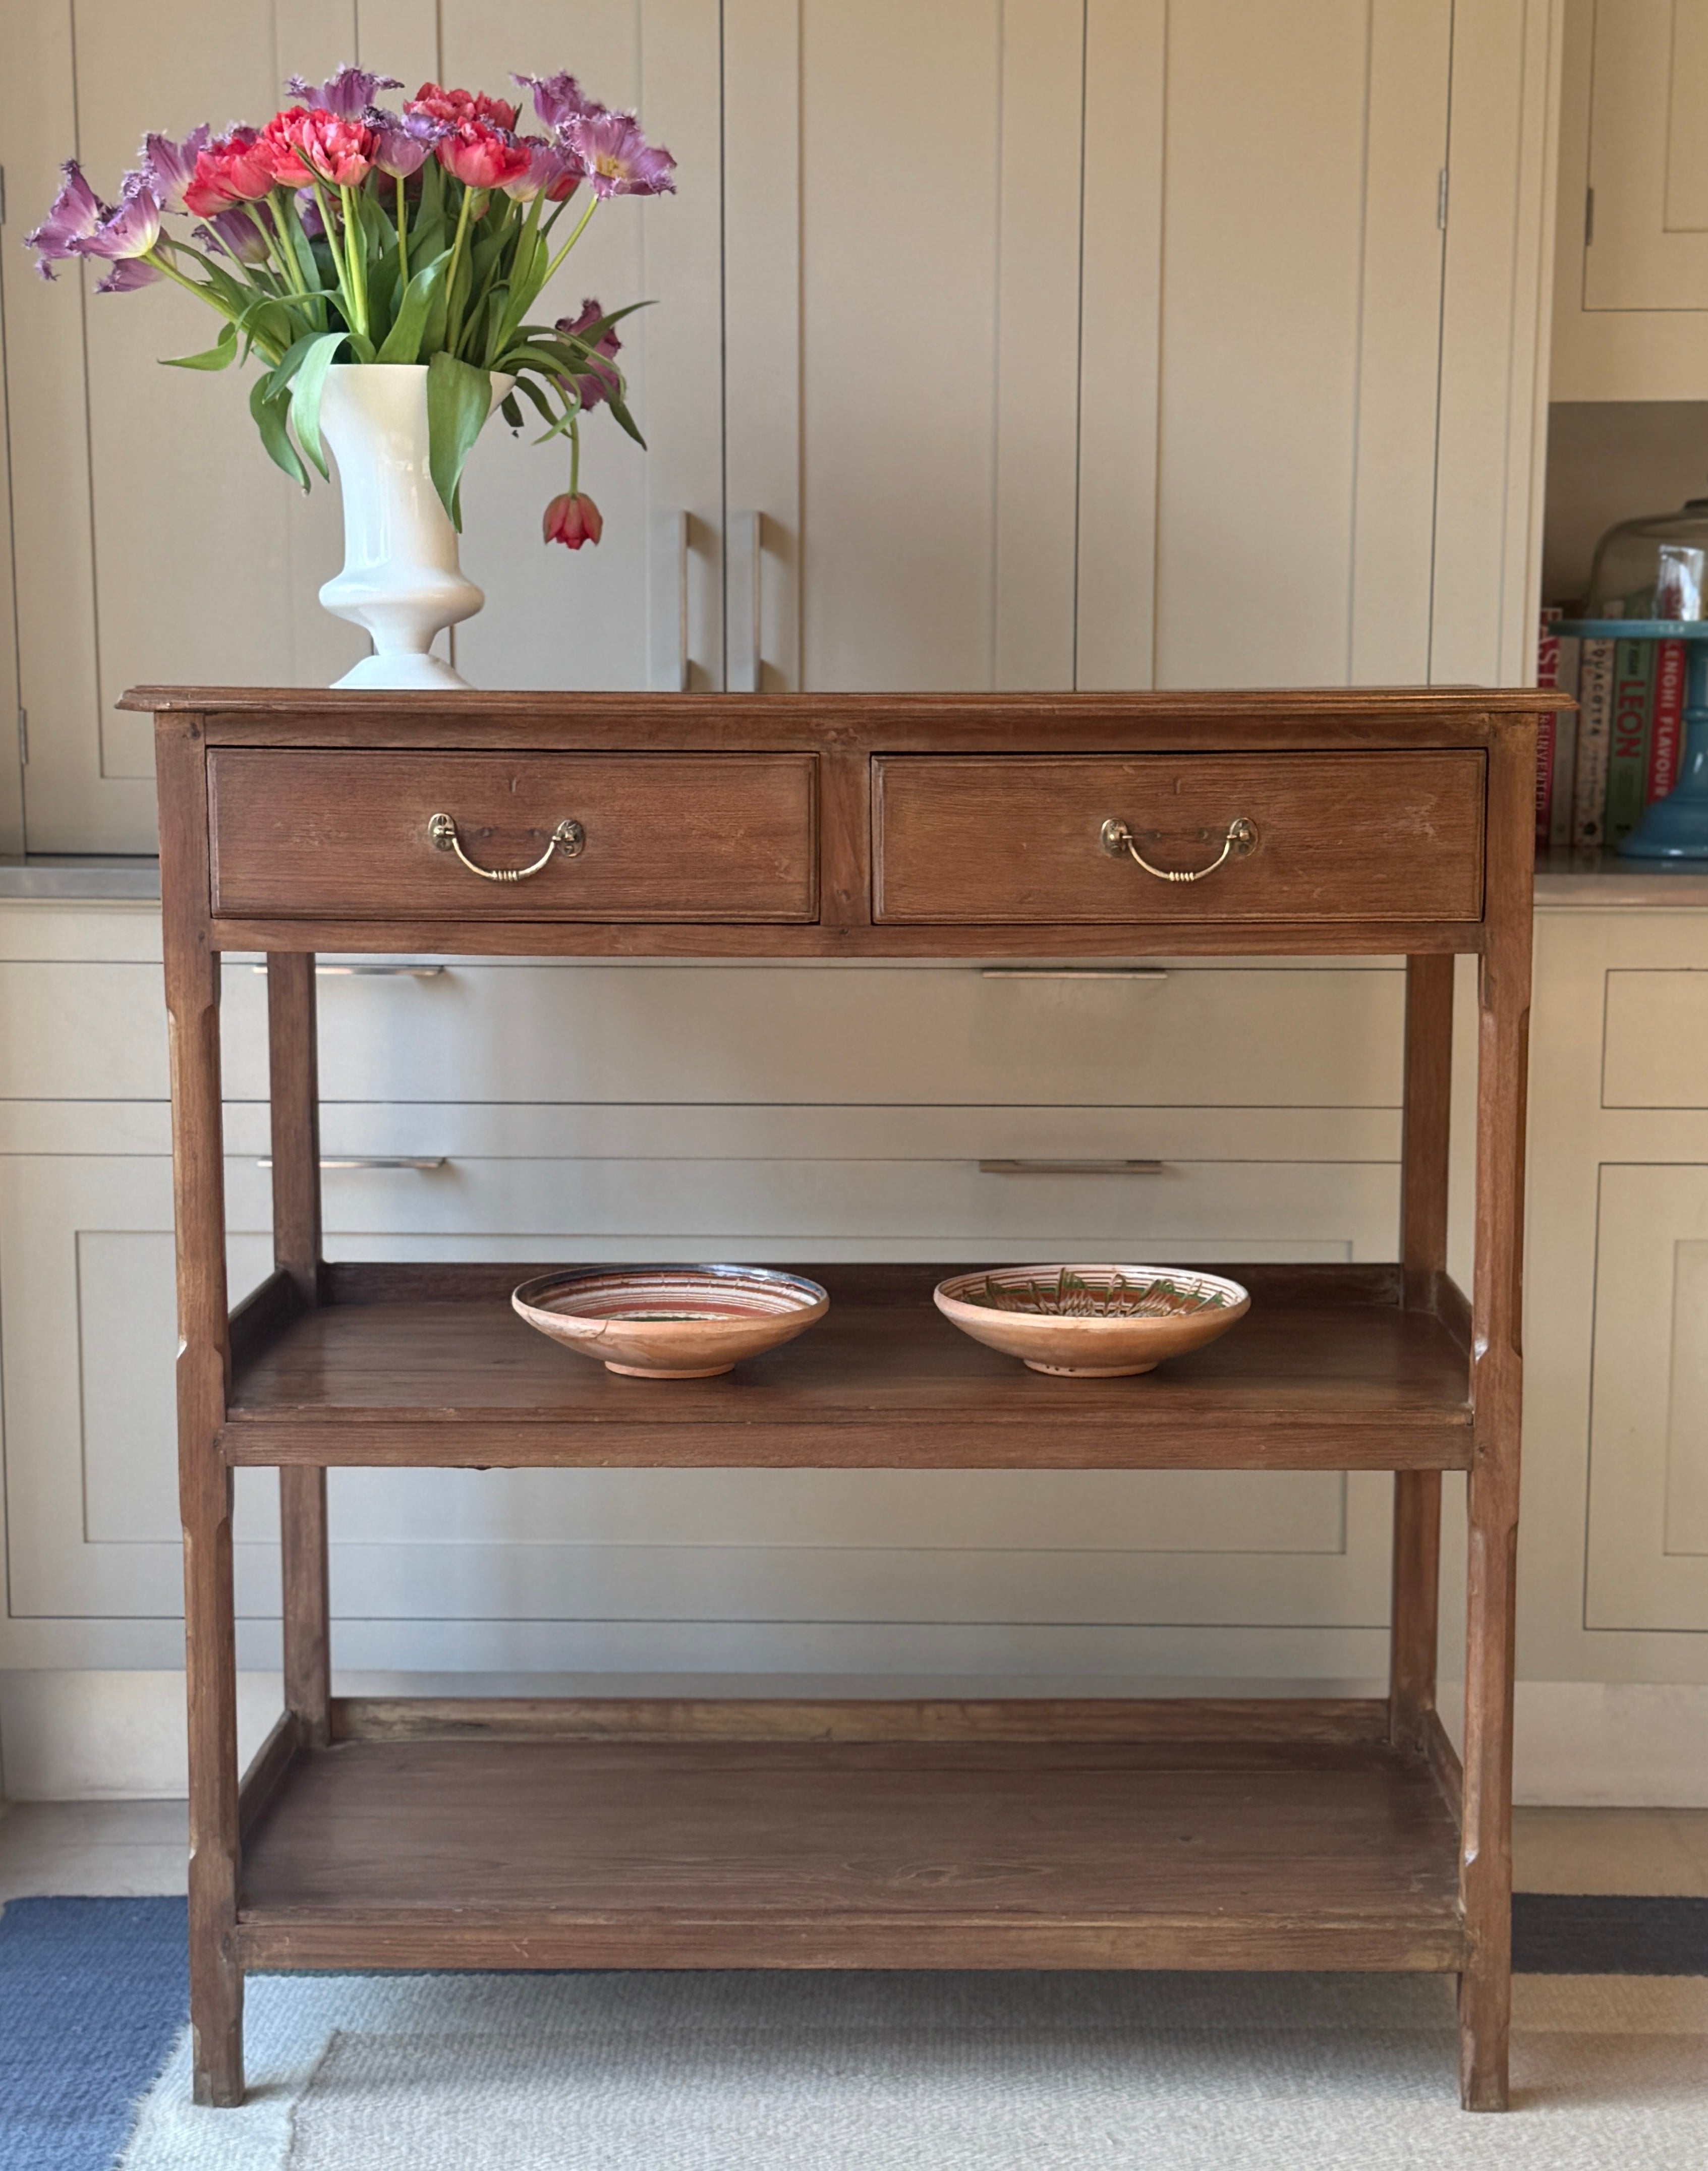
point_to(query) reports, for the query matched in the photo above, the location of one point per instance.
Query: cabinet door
(1101, 349)
(1647, 247)
(902, 238)
(1648, 1469)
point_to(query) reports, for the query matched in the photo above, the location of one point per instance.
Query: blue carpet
(93, 1993)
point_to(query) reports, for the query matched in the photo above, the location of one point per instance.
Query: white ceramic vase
(401, 581)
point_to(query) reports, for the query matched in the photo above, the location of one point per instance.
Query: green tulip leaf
(459, 399)
(403, 342)
(306, 388)
(270, 414)
(220, 356)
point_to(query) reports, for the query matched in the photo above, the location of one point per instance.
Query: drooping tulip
(595, 382)
(572, 521)
(619, 160)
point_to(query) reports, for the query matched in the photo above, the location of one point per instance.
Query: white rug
(936, 2072)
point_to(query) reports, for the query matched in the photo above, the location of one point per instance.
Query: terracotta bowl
(1092, 1323)
(671, 1322)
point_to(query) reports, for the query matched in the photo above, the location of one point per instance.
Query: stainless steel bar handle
(1115, 837)
(1070, 1168)
(568, 838)
(373, 972)
(371, 1160)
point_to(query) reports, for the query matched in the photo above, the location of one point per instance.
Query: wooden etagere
(1208, 1834)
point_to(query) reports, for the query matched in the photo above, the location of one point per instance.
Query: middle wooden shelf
(429, 1365)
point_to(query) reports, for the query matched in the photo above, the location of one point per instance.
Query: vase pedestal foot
(403, 671)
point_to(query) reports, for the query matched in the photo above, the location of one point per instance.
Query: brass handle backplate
(1115, 837)
(568, 838)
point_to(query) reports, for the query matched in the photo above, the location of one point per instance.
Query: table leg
(295, 1090)
(204, 1483)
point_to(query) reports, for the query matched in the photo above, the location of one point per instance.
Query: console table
(429, 1833)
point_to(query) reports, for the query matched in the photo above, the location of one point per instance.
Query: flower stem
(580, 228)
(355, 255)
(403, 238)
(346, 299)
(575, 455)
(191, 287)
(453, 330)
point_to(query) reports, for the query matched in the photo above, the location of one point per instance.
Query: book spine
(1594, 721)
(1668, 719)
(1547, 674)
(1565, 748)
(1628, 751)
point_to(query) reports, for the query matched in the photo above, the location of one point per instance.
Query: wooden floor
(1147, 1853)
(429, 1364)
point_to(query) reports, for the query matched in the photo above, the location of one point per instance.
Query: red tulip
(482, 157)
(572, 521)
(233, 169)
(316, 144)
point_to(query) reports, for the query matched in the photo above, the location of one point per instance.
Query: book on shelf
(1629, 735)
(1598, 769)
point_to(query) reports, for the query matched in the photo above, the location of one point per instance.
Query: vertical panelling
(555, 619)
(1261, 293)
(1037, 311)
(760, 58)
(1495, 312)
(934, 342)
(1392, 512)
(1126, 43)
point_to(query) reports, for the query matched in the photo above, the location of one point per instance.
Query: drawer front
(1018, 838)
(667, 837)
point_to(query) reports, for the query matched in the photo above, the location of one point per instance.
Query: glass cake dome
(1655, 567)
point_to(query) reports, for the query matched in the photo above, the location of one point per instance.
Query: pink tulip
(572, 521)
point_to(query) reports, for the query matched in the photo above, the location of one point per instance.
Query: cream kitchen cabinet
(1630, 286)
(997, 343)
(786, 1119)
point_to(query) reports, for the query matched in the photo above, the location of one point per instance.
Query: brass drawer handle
(568, 838)
(1115, 837)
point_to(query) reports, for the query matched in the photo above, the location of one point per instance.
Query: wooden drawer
(1017, 839)
(692, 837)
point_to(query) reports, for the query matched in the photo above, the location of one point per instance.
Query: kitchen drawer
(663, 837)
(1010, 839)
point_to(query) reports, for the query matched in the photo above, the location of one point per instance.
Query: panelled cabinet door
(1648, 1474)
(1100, 348)
(1647, 246)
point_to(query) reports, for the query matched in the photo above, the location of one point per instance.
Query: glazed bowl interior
(671, 1322)
(1099, 1321)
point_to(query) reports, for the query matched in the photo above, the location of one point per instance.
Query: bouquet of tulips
(343, 232)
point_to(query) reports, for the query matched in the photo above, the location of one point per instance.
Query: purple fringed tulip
(76, 213)
(129, 231)
(553, 172)
(169, 168)
(558, 98)
(234, 233)
(596, 382)
(348, 94)
(397, 150)
(619, 160)
(128, 274)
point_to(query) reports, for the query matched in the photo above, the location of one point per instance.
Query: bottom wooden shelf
(1265, 1835)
